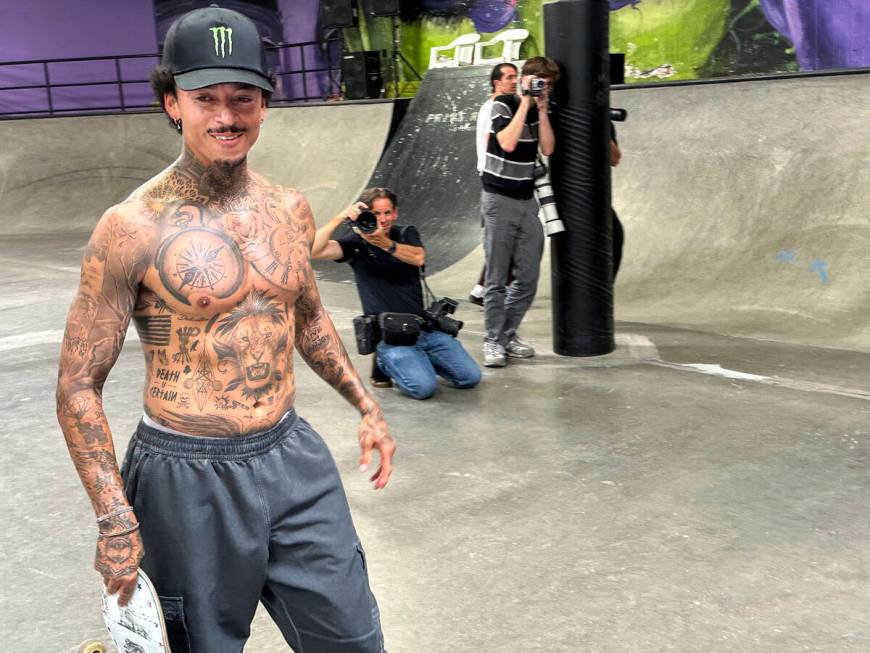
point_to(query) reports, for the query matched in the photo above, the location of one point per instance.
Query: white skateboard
(138, 627)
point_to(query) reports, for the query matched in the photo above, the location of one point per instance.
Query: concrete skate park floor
(623, 503)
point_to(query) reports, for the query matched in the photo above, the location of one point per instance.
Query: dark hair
(497, 73)
(162, 82)
(542, 67)
(369, 195)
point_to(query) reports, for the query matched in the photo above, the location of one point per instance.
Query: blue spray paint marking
(619, 4)
(821, 267)
(787, 256)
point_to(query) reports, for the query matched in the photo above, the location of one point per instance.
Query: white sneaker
(516, 348)
(493, 355)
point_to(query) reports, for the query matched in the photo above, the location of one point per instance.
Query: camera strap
(428, 295)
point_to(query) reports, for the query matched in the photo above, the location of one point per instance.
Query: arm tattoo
(320, 347)
(114, 262)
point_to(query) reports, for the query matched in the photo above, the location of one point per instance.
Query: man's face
(385, 212)
(220, 123)
(507, 85)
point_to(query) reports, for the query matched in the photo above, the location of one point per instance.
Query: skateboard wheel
(91, 647)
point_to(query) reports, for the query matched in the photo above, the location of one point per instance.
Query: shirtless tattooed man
(226, 496)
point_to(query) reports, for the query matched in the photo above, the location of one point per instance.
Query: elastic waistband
(230, 448)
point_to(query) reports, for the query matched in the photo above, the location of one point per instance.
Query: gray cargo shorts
(230, 522)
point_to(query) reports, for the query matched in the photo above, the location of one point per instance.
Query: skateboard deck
(138, 627)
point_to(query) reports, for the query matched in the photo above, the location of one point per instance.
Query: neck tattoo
(219, 181)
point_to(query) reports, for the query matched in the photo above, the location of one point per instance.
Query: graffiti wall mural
(669, 39)
(698, 39)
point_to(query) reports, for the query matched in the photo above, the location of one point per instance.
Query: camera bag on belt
(399, 328)
(367, 333)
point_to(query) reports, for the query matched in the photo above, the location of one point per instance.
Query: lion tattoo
(249, 341)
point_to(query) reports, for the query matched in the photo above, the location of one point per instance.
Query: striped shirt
(511, 173)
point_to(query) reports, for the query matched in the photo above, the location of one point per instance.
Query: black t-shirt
(384, 283)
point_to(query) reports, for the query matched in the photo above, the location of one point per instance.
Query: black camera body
(438, 316)
(536, 87)
(366, 222)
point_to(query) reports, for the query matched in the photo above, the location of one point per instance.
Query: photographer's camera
(536, 88)
(438, 316)
(366, 222)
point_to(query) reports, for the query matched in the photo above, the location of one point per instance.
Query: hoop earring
(178, 125)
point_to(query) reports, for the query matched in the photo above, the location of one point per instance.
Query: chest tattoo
(272, 239)
(200, 259)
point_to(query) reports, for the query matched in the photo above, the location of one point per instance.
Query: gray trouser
(513, 238)
(230, 522)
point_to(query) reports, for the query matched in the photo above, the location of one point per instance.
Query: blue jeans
(413, 368)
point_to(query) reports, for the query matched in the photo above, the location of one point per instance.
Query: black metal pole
(582, 267)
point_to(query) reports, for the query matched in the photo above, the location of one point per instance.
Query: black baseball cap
(215, 46)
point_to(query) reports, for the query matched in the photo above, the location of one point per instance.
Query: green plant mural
(663, 40)
(667, 38)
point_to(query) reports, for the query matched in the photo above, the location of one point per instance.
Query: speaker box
(337, 13)
(361, 72)
(385, 7)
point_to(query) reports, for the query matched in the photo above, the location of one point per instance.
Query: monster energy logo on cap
(215, 46)
(226, 36)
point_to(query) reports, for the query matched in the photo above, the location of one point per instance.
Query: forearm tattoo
(114, 262)
(320, 347)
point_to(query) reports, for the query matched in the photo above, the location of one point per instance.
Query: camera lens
(618, 115)
(536, 86)
(366, 222)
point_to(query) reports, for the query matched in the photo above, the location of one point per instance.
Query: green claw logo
(221, 42)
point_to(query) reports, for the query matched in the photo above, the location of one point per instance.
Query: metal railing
(306, 72)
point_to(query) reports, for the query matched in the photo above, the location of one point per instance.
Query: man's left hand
(373, 434)
(377, 238)
(542, 101)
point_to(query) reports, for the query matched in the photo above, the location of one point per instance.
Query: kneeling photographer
(414, 341)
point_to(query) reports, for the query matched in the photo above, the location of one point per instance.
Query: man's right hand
(525, 99)
(117, 559)
(352, 212)
(615, 153)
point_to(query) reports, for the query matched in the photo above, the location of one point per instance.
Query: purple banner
(825, 33)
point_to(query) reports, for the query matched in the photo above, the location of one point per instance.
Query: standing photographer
(386, 259)
(503, 80)
(513, 235)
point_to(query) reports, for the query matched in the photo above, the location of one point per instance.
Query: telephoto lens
(547, 200)
(366, 222)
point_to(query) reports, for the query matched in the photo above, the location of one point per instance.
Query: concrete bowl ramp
(58, 175)
(431, 164)
(328, 152)
(747, 208)
(745, 204)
